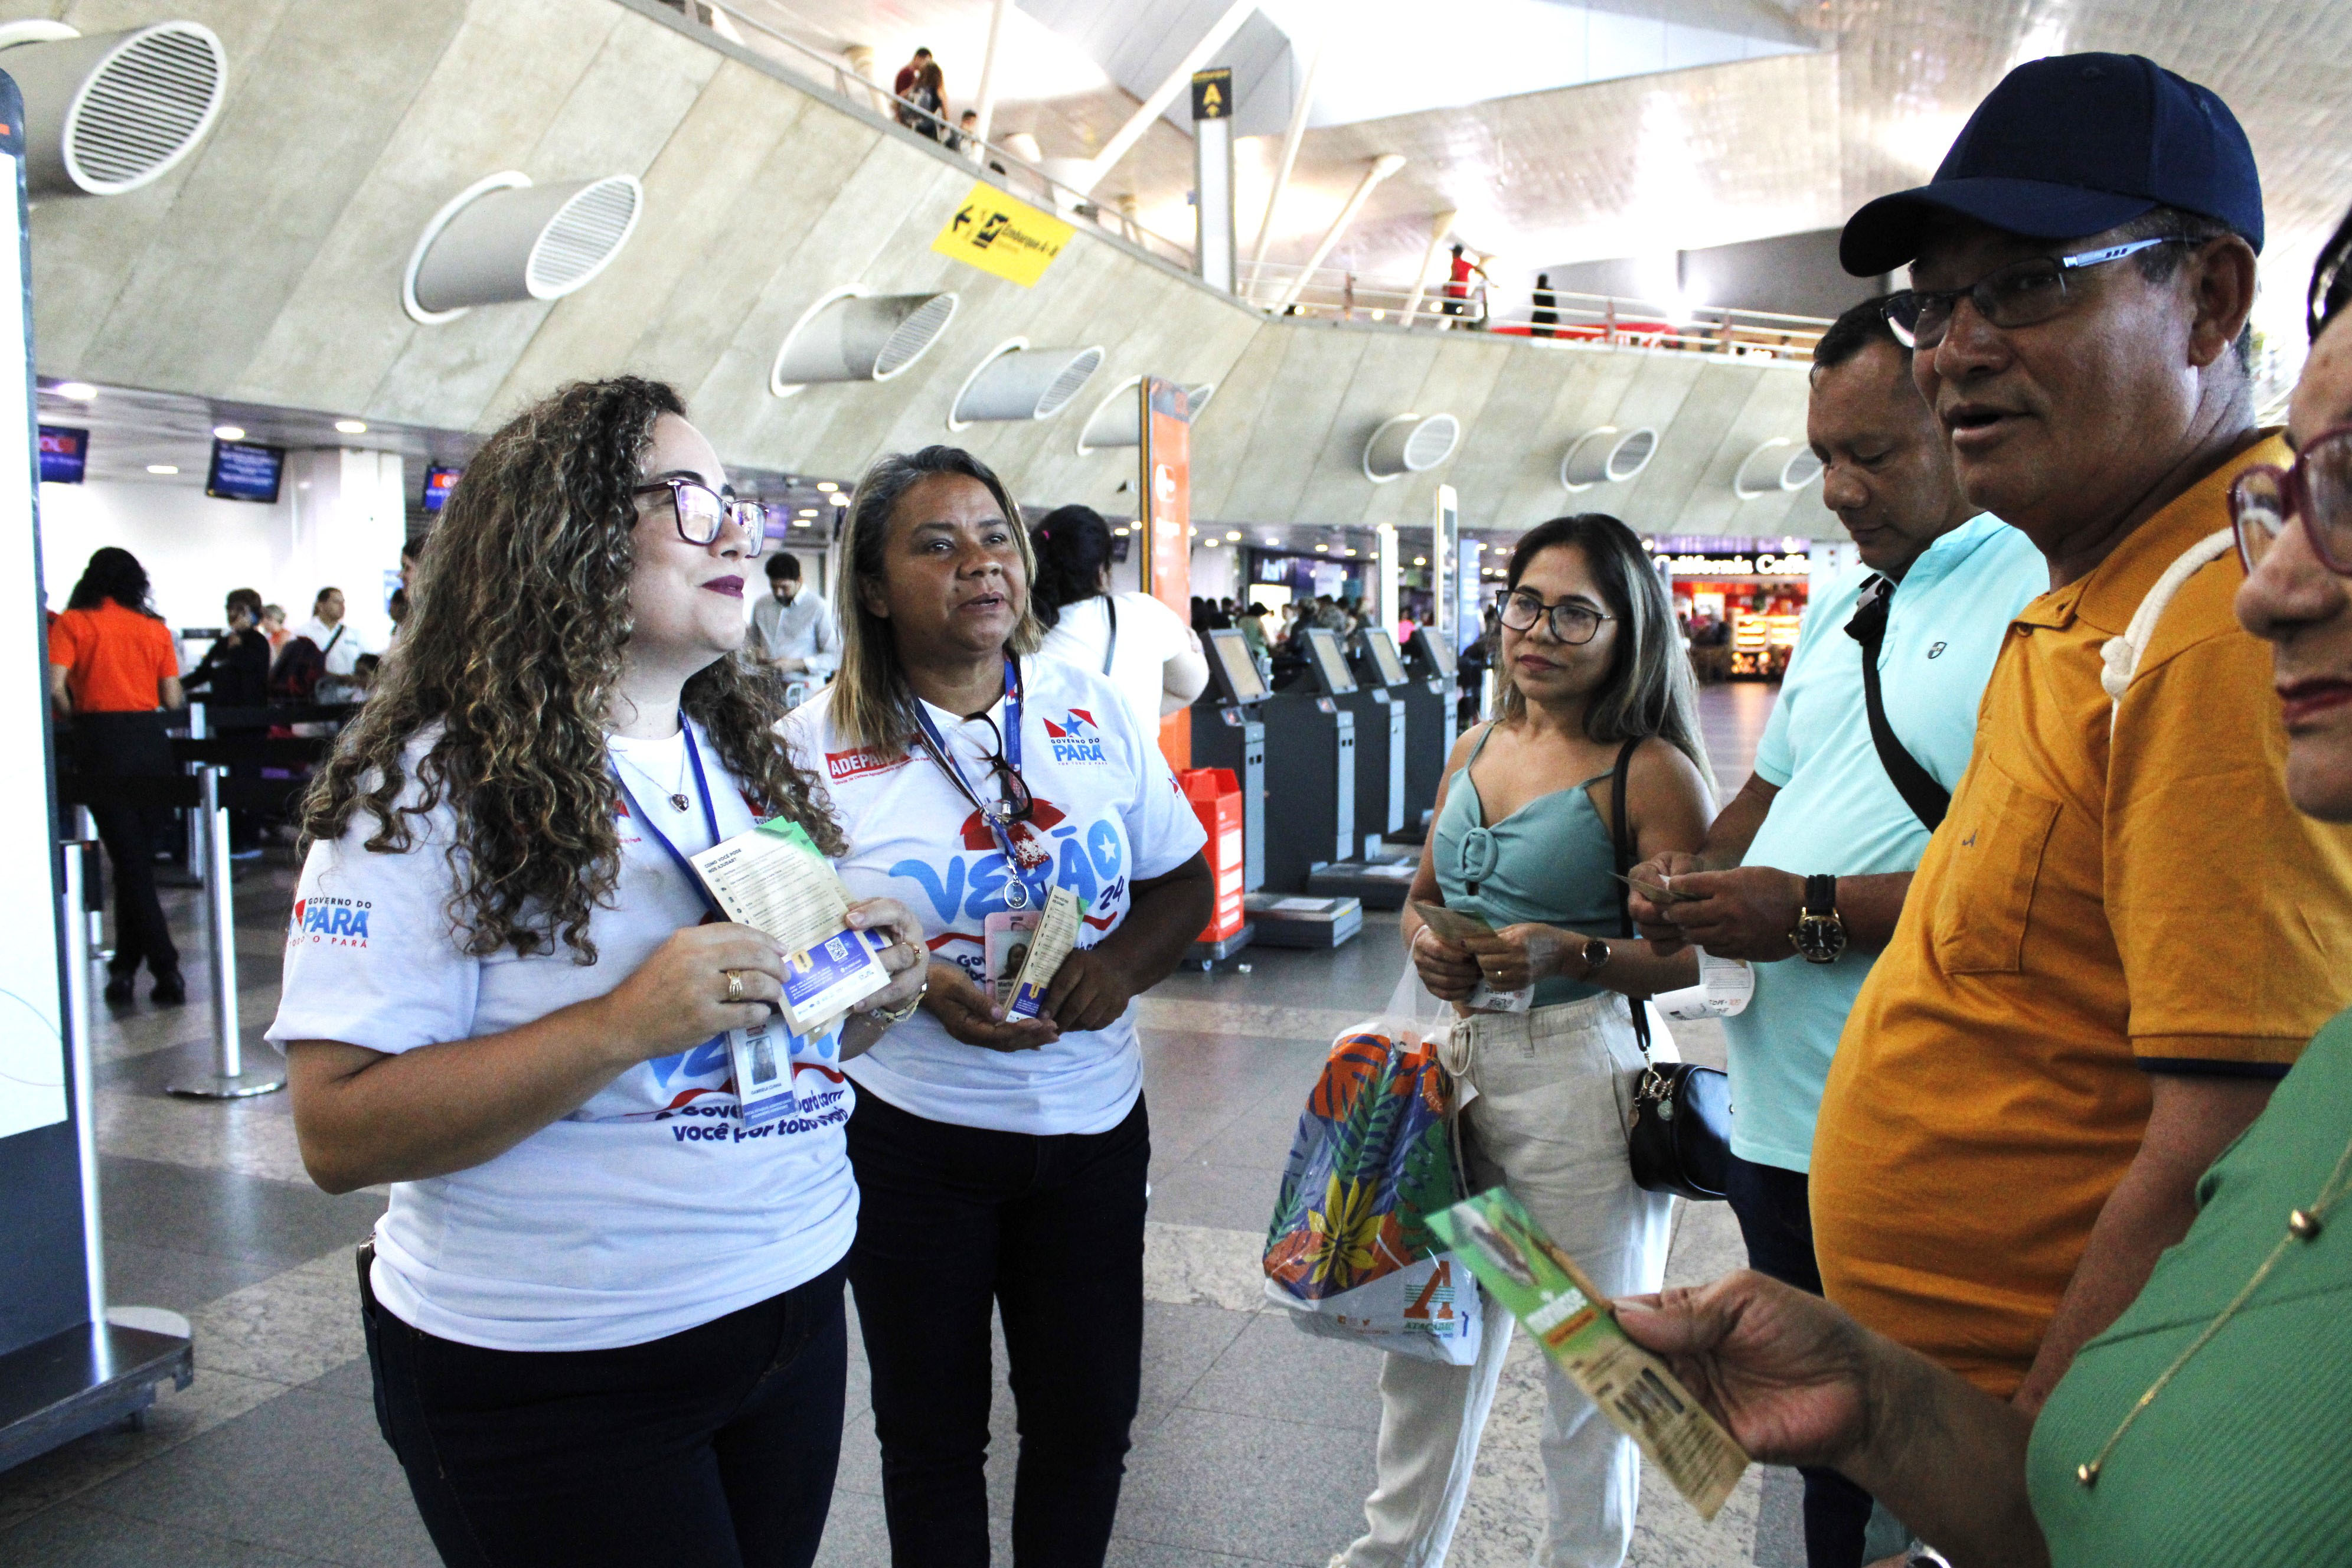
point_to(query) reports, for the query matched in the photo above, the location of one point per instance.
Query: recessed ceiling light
(1212, 543)
(837, 499)
(229, 432)
(351, 427)
(1122, 532)
(162, 467)
(1322, 547)
(1420, 560)
(1273, 539)
(808, 511)
(1350, 551)
(828, 486)
(79, 391)
(1233, 536)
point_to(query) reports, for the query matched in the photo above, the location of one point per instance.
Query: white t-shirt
(1108, 812)
(648, 1210)
(1150, 634)
(339, 642)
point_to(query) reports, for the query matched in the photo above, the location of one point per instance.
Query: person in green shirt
(2204, 1426)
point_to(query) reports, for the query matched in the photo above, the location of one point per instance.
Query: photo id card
(761, 1057)
(1005, 947)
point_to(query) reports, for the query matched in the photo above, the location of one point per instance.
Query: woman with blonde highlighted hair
(604, 1310)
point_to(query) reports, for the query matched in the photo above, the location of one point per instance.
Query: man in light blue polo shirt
(1824, 805)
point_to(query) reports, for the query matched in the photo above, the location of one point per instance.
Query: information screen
(1384, 657)
(1236, 671)
(438, 481)
(1330, 663)
(64, 455)
(244, 470)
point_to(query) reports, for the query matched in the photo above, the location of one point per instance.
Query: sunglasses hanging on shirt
(1016, 803)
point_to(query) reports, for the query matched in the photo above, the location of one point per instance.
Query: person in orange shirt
(112, 669)
(2123, 934)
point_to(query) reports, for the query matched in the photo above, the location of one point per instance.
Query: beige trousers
(1547, 1122)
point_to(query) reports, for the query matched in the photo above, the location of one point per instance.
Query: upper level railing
(1327, 292)
(1558, 315)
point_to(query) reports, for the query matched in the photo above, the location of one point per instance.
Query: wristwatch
(1595, 953)
(1820, 935)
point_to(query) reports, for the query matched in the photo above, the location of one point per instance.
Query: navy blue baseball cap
(2070, 146)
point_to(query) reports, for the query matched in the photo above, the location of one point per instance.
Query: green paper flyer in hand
(1577, 1325)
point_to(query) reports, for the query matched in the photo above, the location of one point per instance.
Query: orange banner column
(1165, 485)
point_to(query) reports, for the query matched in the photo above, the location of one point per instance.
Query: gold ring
(734, 986)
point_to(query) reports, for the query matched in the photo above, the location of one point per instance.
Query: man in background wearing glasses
(2122, 934)
(1823, 829)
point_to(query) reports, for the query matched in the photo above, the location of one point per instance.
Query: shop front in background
(1737, 601)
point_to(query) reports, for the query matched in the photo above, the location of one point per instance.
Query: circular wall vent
(1410, 444)
(1017, 382)
(850, 335)
(1606, 456)
(503, 239)
(1118, 420)
(112, 113)
(1773, 467)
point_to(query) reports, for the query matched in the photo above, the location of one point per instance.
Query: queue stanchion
(228, 1079)
(197, 730)
(80, 857)
(93, 892)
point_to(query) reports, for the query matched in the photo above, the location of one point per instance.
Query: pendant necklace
(2302, 1227)
(677, 798)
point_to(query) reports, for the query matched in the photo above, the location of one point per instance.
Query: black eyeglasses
(1572, 622)
(2317, 489)
(703, 513)
(1016, 803)
(2023, 294)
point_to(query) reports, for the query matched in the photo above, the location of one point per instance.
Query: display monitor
(1383, 649)
(1237, 679)
(1430, 648)
(64, 455)
(439, 480)
(1331, 661)
(246, 470)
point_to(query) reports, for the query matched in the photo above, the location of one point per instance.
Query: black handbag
(1678, 1135)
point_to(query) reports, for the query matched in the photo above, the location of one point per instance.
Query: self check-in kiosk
(1362, 869)
(1310, 794)
(1429, 698)
(1227, 732)
(1383, 737)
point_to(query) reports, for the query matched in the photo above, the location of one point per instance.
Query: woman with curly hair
(603, 1311)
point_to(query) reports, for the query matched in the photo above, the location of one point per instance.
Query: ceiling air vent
(112, 113)
(850, 335)
(1774, 467)
(1606, 456)
(1410, 444)
(502, 239)
(1017, 382)
(1117, 420)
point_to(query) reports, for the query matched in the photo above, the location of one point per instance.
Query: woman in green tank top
(1592, 668)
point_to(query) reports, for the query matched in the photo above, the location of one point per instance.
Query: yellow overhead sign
(998, 235)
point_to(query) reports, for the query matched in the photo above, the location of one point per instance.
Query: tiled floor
(1254, 1442)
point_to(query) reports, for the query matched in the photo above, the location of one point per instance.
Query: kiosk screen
(1330, 663)
(1431, 650)
(1236, 671)
(1384, 657)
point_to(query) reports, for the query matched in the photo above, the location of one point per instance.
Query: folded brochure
(1049, 944)
(775, 879)
(1577, 1325)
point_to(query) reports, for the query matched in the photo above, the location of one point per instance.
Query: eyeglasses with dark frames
(1573, 622)
(2317, 489)
(2022, 294)
(703, 513)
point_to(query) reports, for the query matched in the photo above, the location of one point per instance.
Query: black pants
(714, 1447)
(1049, 1230)
(1775, 1219)
(106, 747)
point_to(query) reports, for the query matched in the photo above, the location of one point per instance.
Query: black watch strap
(1821, 895)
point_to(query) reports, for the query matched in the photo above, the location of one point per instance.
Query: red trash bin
(1217, 797)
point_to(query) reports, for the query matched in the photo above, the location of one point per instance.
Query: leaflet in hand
(775, 880)
(1454, 926)
(1724, 986)
(1577, 1325)
(1049, 944)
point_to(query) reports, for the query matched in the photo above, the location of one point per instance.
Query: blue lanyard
(1018, 893)
(710, 814)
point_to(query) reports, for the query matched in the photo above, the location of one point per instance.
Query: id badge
(1005, 947)
(761, 1057)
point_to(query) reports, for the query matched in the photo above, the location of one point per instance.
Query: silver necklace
(678, 796)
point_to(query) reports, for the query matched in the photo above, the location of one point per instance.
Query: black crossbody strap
(1110, 609)
(1620, 840)
(1927, 799)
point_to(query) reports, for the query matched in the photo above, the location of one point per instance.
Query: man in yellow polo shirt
(2122, 934)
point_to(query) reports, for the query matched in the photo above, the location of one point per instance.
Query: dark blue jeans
(714, 1447)
(1775, 1219)
(1048, 1232)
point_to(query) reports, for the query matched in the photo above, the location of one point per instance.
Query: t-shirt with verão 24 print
(649, 1210)
(1108, 814)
